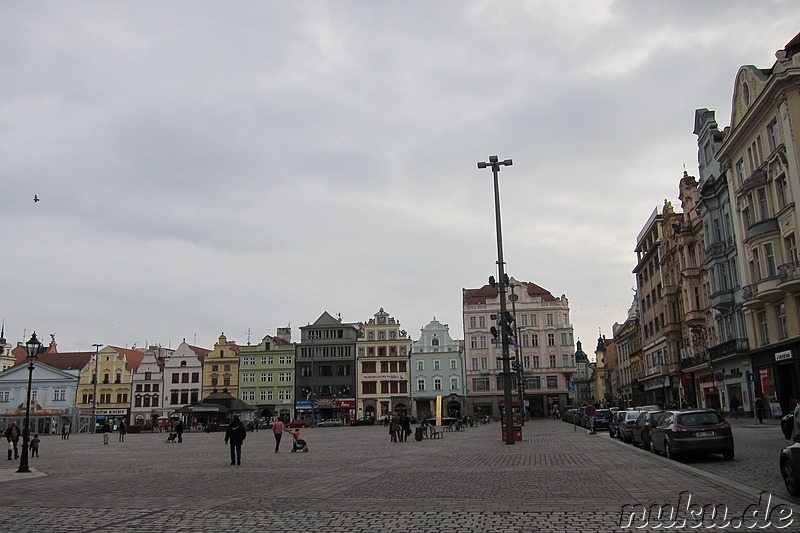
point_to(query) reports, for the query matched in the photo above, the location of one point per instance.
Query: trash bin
(419, 433)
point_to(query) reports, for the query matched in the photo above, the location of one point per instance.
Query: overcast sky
(208, 167)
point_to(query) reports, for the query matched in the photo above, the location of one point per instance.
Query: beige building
(383, 367)
(545, 349)
(108, 379)
(761, 154)
(221, 368)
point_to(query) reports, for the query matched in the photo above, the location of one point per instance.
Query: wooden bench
(433, 434)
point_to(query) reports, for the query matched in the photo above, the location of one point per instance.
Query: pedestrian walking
(234, 437)
(405, 428)
(65, 427)
(106, 431)
(35, 445)
(395, 428)
(759, 410)
(735, 406)
(179, 430)
(277, 430)
(122, 430)
(12, 434)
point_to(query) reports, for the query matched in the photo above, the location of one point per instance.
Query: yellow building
(107, 378)
(221, 368)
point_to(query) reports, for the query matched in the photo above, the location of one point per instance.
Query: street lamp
(94, 394)
(495, 165)
(33, 350)
(519, 368)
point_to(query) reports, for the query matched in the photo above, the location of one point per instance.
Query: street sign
(570, 386)
(590, 411)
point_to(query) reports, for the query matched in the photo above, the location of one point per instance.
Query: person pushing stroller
(297, 441)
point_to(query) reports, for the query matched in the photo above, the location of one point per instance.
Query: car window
(666, 420)
(699, 419)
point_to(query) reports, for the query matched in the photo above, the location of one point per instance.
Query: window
(763, 327)
(174, 398)
(284, 395)
(420, 384)
(475, 363)
(481, 322)
(523, 320)
(534, 382)
(755, 265)
(551, 339)
(564, 338)
(270, 395)
(185, 377)
(285, 376)
(483, 341)
(552, 360)
(526, 340)
(534, 320)
(773, 135)
(480, 384)
(790, 244)
(549, 319)
(741, 174)
(453, 364)
(369, 367)
(437, 384)
(195, 378)
(534, 340)
(342, 370)
(325, 370)
(369, 387)
(248, 377)
(552, 382)
(526, 361)
(270, 377)
(473, 342)
(783, 192)
(437, 365)
(59, 395)
(176, 378)
(763, 204)
(535, 361)
(565, 360)
(769, 260)
(285, 359)
(473, 322)
(484, 363)
(780, 314)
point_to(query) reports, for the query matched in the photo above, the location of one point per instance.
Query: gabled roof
(201, 352)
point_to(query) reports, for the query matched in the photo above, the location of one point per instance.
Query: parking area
(354, 479)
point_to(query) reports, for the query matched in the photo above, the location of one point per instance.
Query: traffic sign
(570, 386)
(590, 411)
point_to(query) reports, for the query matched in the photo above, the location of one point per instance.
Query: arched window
(183, 363)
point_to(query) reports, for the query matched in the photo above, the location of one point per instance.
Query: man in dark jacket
(12, 435)
(179, 430)
(235, 437)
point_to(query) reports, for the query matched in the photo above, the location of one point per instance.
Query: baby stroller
(298, 443)
(172, 437)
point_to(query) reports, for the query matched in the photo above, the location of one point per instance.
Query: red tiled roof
(62, 361)
(201, 352)
(133, 358)
(487, 292)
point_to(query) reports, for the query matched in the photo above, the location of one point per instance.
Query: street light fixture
(33, 350)
(495, 165)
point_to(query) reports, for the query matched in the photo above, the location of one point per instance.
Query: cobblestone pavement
(355, 480)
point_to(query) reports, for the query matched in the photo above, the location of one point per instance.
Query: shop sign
(657, 383)
(379, 377)
(346, 404)
(781, 356)
(735, 373)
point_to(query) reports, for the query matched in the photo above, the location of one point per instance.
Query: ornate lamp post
(33, 350)
(495, 164)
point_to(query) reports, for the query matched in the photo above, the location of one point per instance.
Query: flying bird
(35, 198)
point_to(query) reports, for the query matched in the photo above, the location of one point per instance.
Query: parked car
(602, 418)
(625, 428)
(330, 423)
(649, 408)
(365, 421)
(616, 420)
(569, 416)
(790, 468)
(698, 431)
(299, 423)
(265, 424)
(640, 434)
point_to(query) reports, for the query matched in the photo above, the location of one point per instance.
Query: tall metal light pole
(94, 394)
(520, 370)
(495, 165)
(33, 350)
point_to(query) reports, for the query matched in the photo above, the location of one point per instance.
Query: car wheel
(653, 447)
(728, 454)
(668, 453)
(790, 477)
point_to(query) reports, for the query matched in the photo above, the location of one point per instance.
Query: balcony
(658, 370)
(695, 317)
(723, 300)
(731, 347)
(749, 293)
(701, 358)
(789, 276)
(769, 290)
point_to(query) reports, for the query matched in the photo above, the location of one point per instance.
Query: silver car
(625, 427)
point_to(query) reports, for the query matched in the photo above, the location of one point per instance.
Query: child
(299, 443)
(35, 446)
